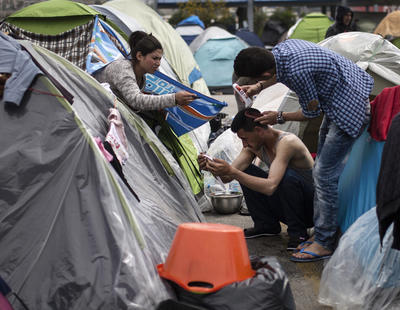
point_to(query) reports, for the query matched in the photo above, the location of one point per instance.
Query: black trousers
(291, 204)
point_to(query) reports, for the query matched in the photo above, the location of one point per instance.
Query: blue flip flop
(315, 257)
(302, 244)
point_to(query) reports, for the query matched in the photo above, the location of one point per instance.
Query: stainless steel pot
(226, 202)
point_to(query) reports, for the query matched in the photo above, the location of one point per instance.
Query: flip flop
(302, 244)
(315, 257)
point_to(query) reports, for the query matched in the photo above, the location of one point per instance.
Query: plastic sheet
(361, 274)
(227, 146)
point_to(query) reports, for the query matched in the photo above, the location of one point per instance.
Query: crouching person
(284, 194)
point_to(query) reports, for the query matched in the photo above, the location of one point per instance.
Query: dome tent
(215, 50)
(190, 28)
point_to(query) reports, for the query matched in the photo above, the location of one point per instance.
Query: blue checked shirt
(316, 73)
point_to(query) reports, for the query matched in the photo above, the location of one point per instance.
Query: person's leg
(335, 146)
(260, 206)
(296, 202)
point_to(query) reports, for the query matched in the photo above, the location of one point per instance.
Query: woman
(127, 80)
(127, 77)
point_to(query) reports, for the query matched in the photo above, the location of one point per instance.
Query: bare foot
(314, 248)
(304, 244)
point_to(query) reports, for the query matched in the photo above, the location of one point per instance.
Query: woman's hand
(184, 97)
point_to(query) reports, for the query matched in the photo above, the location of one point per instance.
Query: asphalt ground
(304, 278)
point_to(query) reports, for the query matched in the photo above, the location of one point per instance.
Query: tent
(190, 28)
(76, 44)
(249, 37)
(72, 234)
(215, 50)
(311, 27)
(389, 27)
(272, 32)
(66, 28)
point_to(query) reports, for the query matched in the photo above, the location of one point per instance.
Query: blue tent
(192, 20)
(190, 28)
(249, 37)
(357, 184)
(215, 51)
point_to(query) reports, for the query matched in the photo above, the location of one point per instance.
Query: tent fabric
(192, 20)
(94, 245)
(389, 25)
(272, 32)
(189, 32)
(52, 17)
(249, 37)
(361, 274)
(371, 52)
(190, 28)
(215, 50)
(72, 45)
(311, 27)
(357, 183)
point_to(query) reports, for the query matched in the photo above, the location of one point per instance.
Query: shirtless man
(285, 193)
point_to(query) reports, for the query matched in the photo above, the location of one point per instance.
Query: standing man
(344, 17)
(284, 194)
(324, 82)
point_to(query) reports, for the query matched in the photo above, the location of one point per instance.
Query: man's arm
(219, 167)
(277, 170)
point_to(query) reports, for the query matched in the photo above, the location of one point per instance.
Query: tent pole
(250, 14)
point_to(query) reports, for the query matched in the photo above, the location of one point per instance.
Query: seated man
(284, 194)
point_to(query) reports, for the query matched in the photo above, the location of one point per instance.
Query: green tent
(311, 27)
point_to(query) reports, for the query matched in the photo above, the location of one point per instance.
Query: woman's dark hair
(244, 119)
(253, 62)
(140, 41)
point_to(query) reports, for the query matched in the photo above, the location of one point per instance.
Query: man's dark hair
(253, 61)
(140, 41)
(244, 119)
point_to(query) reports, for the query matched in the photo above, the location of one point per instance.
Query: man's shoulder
(290, 143)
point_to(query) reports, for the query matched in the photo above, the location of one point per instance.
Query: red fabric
(383, 108)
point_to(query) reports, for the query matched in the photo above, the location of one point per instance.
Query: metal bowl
(226, 202)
